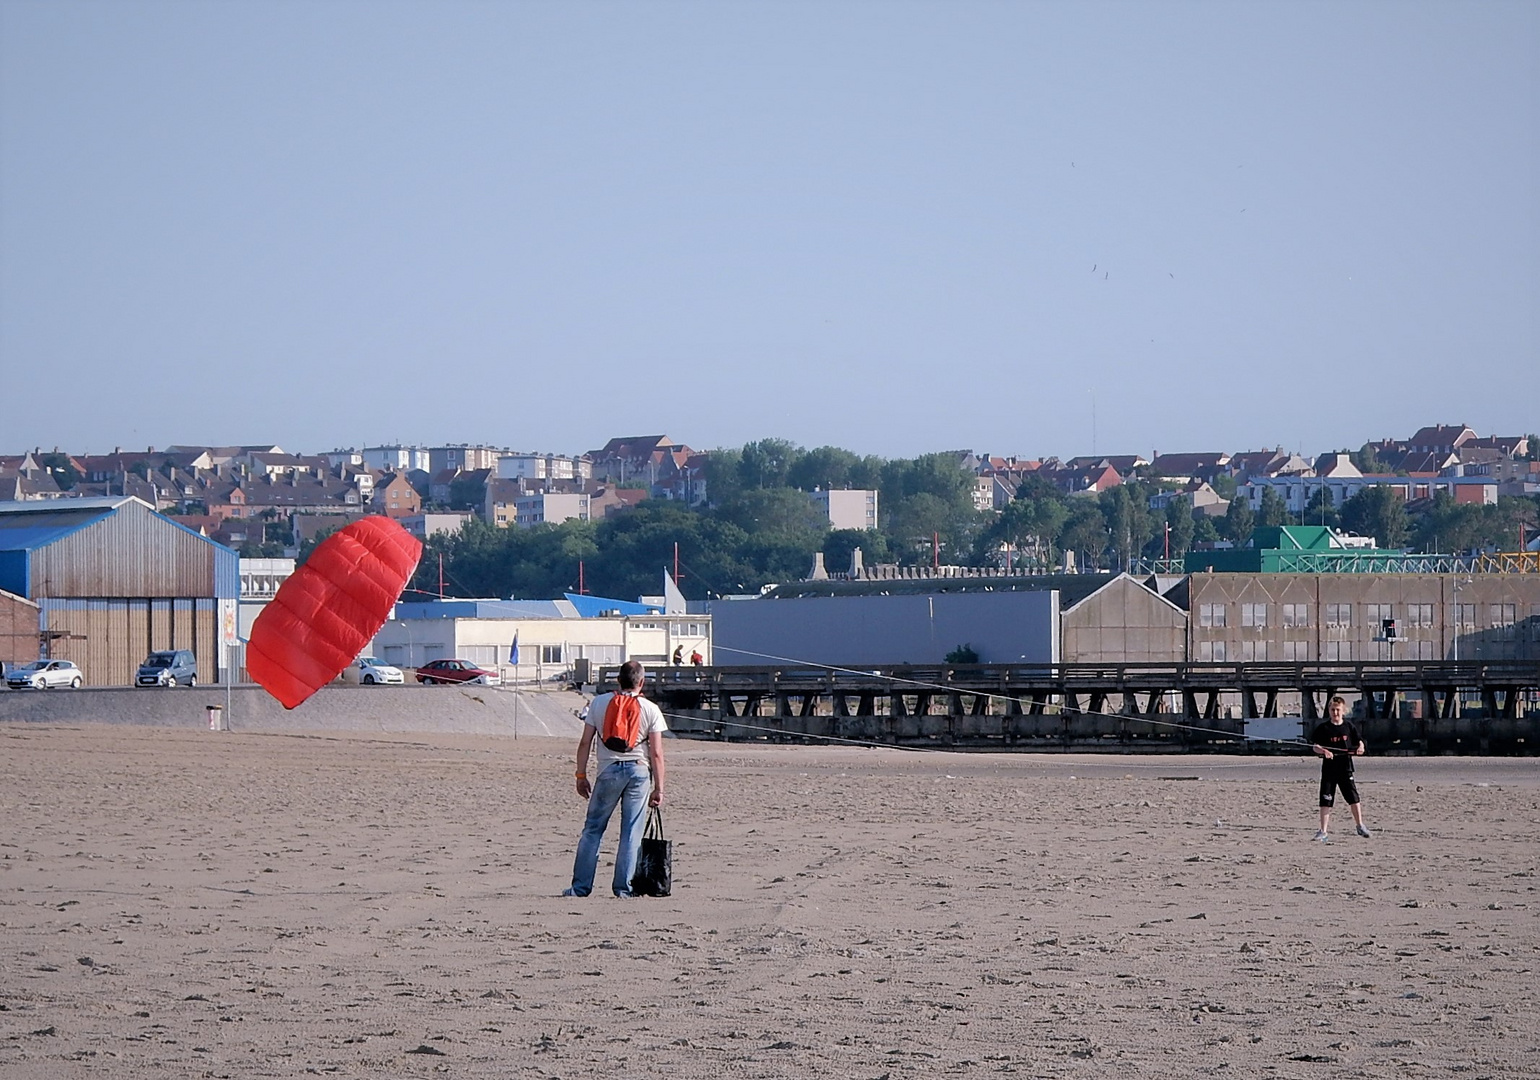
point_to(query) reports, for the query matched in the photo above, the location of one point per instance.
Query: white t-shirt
(652, 720)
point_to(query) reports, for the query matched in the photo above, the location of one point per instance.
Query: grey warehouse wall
(1002, 627)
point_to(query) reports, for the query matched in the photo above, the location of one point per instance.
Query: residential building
(395, 497)
(1082, 480)
(682, 477)
(1440, 438)
(442, 488)
(550, 507)
(1201, 498)
(436, 523)
(1123, 464)
(1336, 466)
(543, 467)
(638, 459)
(1297, 492)
(847, 509)
(463, 457)
(609, 500)
(1185, 468)
(396, 458)
(1274, 462)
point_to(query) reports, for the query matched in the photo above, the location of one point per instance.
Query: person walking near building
(625, 732)
(1336, 741)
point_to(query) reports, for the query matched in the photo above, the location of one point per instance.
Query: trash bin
(216, 717)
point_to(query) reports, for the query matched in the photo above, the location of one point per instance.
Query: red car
(456, 671)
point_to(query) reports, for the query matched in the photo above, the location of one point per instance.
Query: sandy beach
(180, 903)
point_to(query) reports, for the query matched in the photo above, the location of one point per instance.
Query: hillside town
(1421, 549)
(266, 499)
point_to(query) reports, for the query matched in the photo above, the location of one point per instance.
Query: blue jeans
(628, 783)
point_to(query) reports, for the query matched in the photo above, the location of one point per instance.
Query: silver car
(45, 675)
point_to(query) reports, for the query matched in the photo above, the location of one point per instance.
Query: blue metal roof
(27, 526)
(591, 607)
(584, 607)
(28, 531)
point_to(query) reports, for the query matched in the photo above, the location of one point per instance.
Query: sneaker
(1321, 836)
(1364, 832)
(572, 892)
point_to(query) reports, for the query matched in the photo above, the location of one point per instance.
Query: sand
(176, 903)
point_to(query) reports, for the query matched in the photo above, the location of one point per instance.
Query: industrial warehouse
(105, 581)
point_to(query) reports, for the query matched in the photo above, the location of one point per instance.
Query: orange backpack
(622, 723)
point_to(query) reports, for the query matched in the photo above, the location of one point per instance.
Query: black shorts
(1330, 782)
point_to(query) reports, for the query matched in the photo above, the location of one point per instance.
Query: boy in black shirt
(1337, 741)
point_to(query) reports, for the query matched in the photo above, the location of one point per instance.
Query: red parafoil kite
(330, 608)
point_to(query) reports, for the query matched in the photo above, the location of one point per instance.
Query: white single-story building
(554, 636)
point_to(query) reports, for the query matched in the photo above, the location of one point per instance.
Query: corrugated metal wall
(109, 638)
(134, 552)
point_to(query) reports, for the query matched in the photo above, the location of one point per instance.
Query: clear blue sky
(894, 227)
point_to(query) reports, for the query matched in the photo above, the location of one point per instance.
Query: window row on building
(1405, 616)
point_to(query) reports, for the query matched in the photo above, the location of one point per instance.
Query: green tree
(724, 475)
(767, 463)
(915, 524)
(782, 513)
(1129, 525)
(1377, 511)
(826, 468)
(1367, 461)
(1239, 520)
(1515, 520)
(1273, 511)
(929, 496)
(1030, 523)
(840, 544)
(61, 468)
(1085, 532)
(1179, 522)
(1321, 510)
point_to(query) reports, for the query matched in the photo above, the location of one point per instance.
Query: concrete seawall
(470, 710)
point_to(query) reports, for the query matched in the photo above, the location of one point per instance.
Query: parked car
(456, 671)
(44, 675)
(371, 671)
(169, 667)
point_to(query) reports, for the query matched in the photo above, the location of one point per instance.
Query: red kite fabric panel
(330, 608)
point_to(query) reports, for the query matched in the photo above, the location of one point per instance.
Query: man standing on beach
(1337, 742)
(624, 776)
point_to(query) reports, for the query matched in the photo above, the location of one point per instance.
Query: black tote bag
(655, 864)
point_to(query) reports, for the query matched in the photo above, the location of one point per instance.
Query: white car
(372, 671)
(44, 675)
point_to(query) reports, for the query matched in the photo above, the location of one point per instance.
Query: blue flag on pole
(513, 651)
